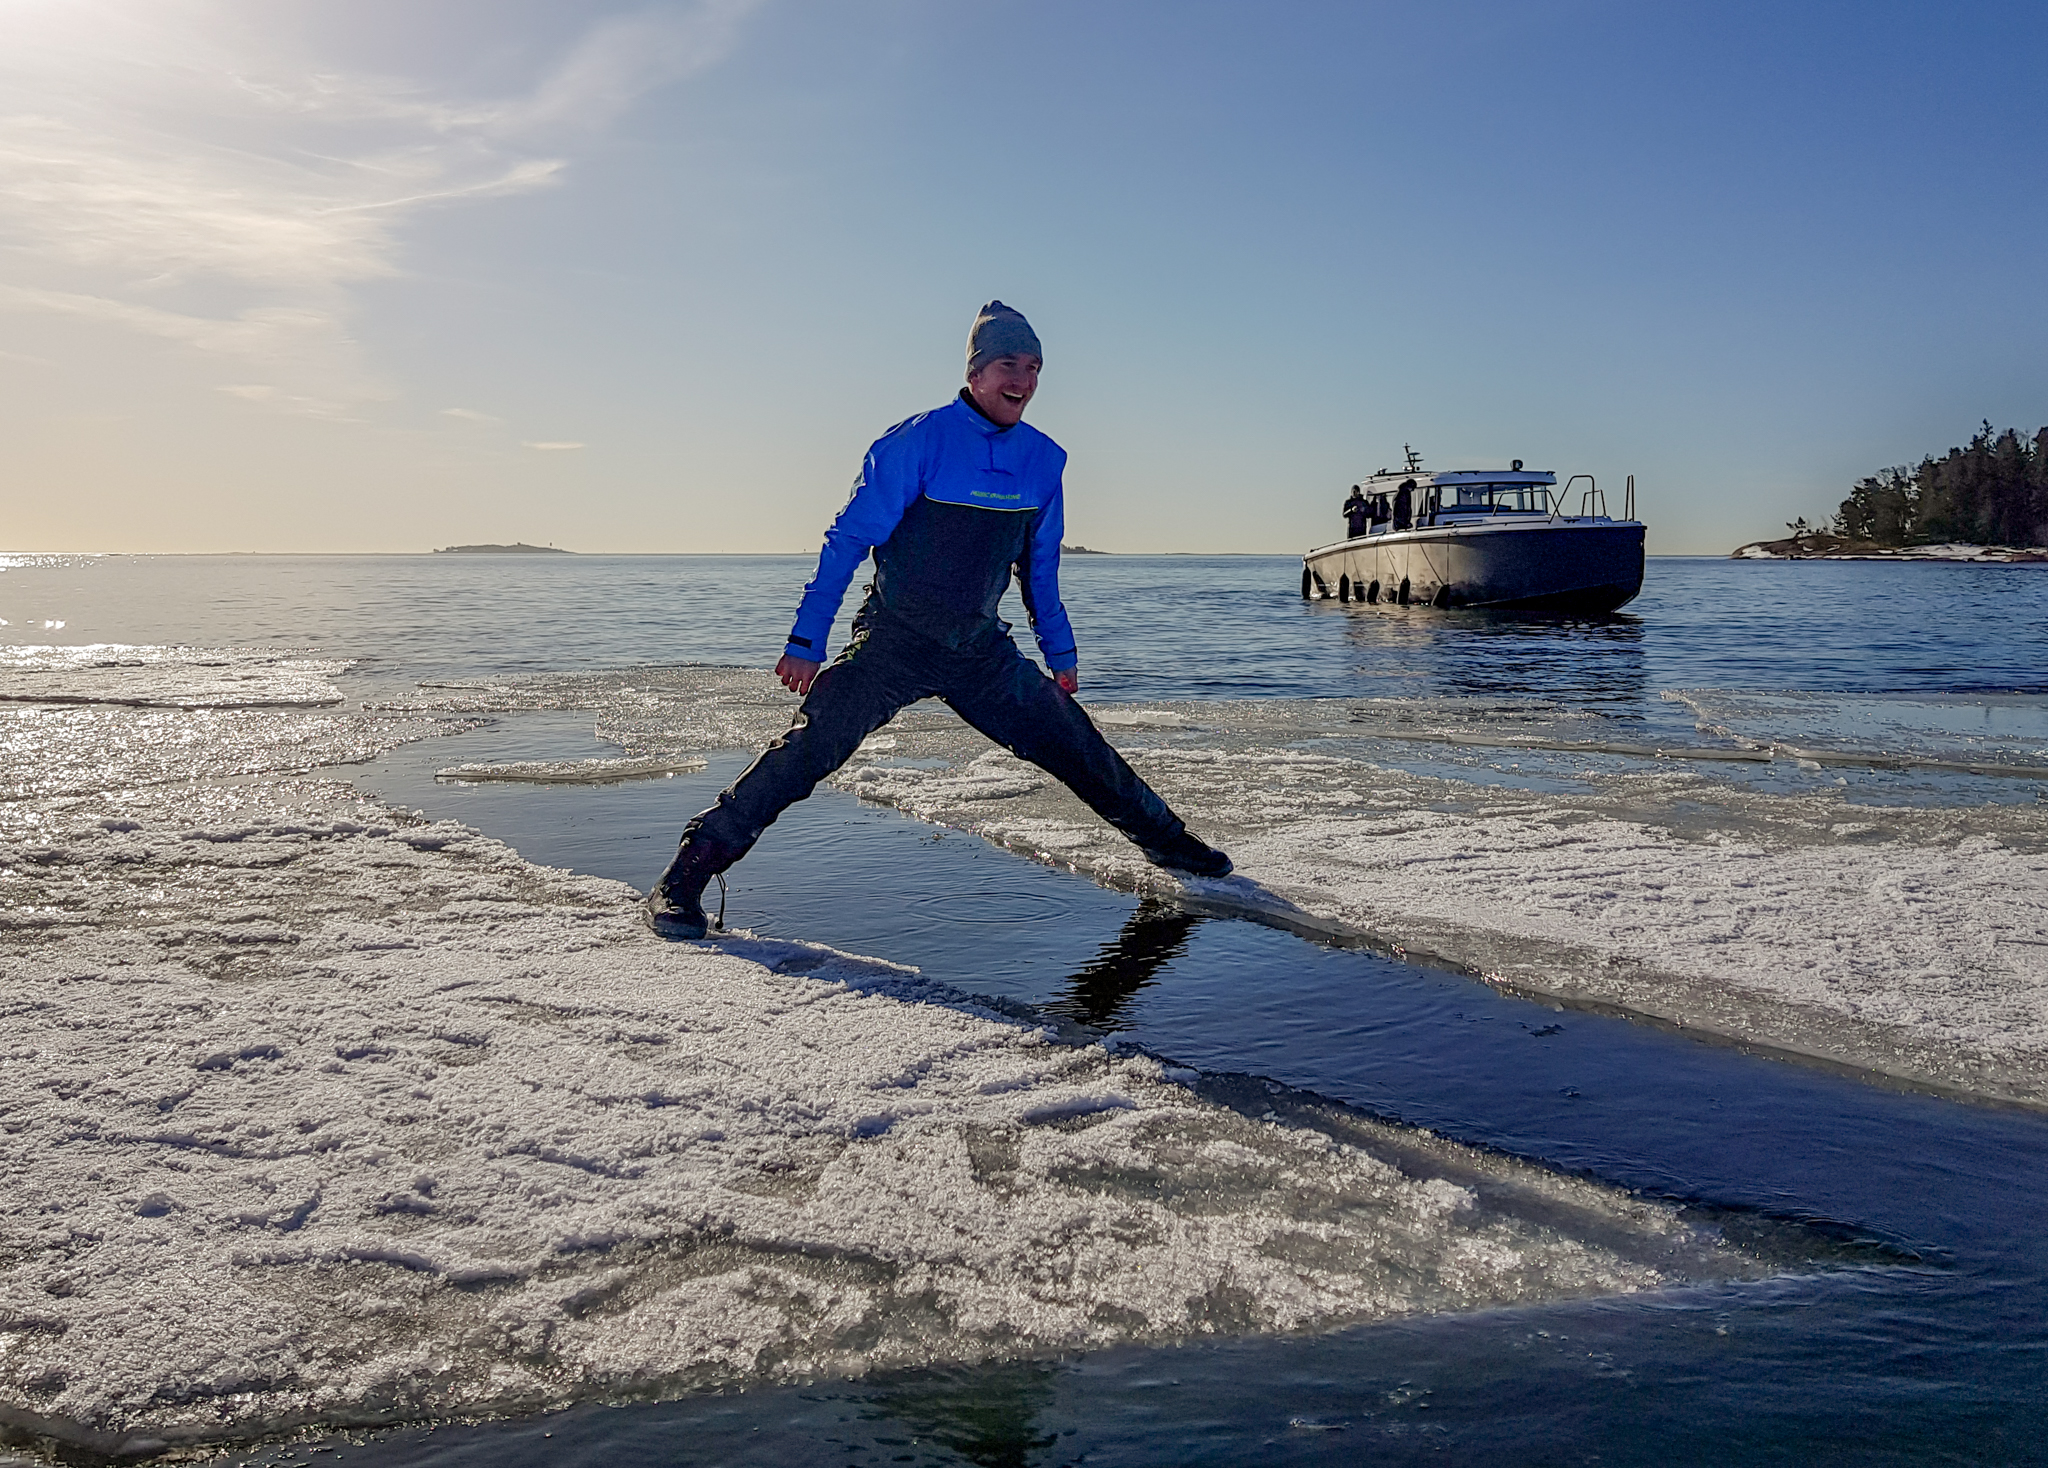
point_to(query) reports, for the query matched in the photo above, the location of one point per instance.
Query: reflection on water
(1597, 661)
(985, 1415)
(1101, 992)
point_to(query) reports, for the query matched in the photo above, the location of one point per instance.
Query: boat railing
(1592, 501)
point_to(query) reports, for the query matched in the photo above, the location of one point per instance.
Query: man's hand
(1069, 680)
(797, 673)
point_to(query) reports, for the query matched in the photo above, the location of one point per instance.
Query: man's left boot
(1189, 854)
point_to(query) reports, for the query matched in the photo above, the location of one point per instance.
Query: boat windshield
(1502, 499)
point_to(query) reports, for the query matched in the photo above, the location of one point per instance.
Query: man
(1357, 514)
(948, 502)
(1404, 505)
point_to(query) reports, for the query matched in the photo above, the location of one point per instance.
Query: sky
(384, 275)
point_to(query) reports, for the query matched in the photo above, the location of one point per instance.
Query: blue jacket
(948, 503)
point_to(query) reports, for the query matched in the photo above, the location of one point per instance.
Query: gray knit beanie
(1000, 332)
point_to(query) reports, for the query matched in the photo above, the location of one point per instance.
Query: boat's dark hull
(1547, 566)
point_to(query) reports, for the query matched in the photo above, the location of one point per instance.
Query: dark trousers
(992, 686)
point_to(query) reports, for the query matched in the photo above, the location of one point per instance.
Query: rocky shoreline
(1821, 546)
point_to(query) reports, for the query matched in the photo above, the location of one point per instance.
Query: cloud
(272, 397)
(553, 447)
(167, 171)
(626, 56)
(469, 415)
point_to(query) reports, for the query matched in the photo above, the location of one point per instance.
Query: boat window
(1504, 498)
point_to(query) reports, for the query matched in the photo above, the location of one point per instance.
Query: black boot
(1189, 854)
(675, 908)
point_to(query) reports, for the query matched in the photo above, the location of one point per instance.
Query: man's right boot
(675, 908)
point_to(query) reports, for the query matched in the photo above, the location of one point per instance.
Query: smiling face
(1001, 388)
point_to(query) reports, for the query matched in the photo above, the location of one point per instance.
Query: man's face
(1002, 387)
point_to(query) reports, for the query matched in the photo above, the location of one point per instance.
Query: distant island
(517, 548)
(1986, 502)
(1080, 550)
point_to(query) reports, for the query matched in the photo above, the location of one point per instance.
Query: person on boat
(1357, 514)
(948, 503)
(1404, 505)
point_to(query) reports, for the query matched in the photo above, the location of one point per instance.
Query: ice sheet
(69, 750)
(1908, 941)
(315, 1114)
(169, 677)
(571, 771)
(648, 710)
(1977, 732)
(1548, 847)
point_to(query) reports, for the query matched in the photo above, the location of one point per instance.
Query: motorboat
(1483, 538)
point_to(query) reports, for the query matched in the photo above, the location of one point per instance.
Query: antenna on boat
(1414, 459)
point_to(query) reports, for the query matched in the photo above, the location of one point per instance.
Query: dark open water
(1932, 1348)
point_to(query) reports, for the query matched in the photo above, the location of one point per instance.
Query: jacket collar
(971, 414)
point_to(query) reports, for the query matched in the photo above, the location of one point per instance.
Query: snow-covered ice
(67, 750)
(172, 677)
(1982, 733)
(571, 771)
(1908, 941)
(1888, 933)
(319, 1112)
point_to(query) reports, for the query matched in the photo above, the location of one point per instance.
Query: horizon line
(670, 555)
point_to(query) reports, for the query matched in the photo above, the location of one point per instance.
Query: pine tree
(1994, 491)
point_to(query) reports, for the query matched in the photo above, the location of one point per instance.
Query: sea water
(1911, 1320)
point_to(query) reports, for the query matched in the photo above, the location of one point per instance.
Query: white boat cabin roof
(1424, 478)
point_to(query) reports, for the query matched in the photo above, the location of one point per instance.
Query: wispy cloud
(158, 175)
(554, 446)
(470, 415)
(625, 57)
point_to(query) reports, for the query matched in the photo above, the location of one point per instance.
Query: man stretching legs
(949, 503)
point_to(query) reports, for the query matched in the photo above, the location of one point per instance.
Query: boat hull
(1547, 566)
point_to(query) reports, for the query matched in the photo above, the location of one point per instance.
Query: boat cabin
(1456, 497)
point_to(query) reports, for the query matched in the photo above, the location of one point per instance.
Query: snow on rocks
(317, 1113)
(1823, 546)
